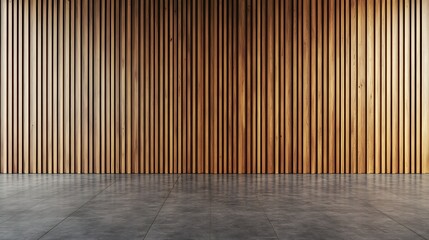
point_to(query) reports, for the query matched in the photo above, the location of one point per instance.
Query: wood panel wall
(214, 86)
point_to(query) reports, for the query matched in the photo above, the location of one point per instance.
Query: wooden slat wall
(214, 86)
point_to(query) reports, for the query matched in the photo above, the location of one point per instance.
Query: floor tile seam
(393, 219)
(159, 210)
(266, 216)
(102, 190)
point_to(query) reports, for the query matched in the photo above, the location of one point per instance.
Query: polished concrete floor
(214, 206)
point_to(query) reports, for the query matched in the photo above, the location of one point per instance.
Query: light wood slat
(102, 86)
(370, 88)
(67, 122)
(418, 85)
(424, 85)
(395, 87)
(72, 87)
(342, 86)
(325, 86)
(258, 86)
(144, 88)
(50, 93)
(10, 84)
(299, 94)
(60, 87)
(108, 62)
(194, 88)
(413, 86)
(26, 80)
(269, 87)
(277, 134)
(248, 70)
(378, 86)
(288, 84)
(383, 118)
(353, 86)
(320, 84)
(347, 87)
(78, 87)
(135, 133)
(84, 93)
(306, 87)
(313, 87)
(91, 70)
(3, 87)
(127, 90)
(407, 86)
(337, 89)
(162, 67)
(16, 153)
(331, 87)
(401, 98)
(389, 81)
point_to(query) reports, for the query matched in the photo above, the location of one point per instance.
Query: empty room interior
(214, 119)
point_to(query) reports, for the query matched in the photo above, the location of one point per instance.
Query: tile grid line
(166, 198)
(77, 209)
(422, 237)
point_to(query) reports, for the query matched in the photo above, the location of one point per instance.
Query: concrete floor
(214, 206)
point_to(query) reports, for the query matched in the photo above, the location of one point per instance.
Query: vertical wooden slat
(135, 131)
(162, 68)
(16, 152)
(78, 87)
(342, 85)
(377, 88)
(270, 87)
(300, 81)
(413, 86)
(383, 57)
(288, 84)
(353, 86)
(325, 86)
(277, 134)
(320, 84)
(127, 90)
(331, 87)
(361, 86)
(84, 92)
(401, 83)
(337, 89)
(313, 87)
(418, 86)
(102, 86)
(407, 87)
(213, 75)
(389, 82)
(107, 85)
(248, 148)
(60, 89)
(26, 148)
(347, 82)
(3, 87)
(67, 71)
(10, 84)
(72, 87)
(395, 86)
(33, 86)
(147, 86)
(424, 85)
(370, 87)
(306, 86)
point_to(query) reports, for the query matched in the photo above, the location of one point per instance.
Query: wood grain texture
(214, 86)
